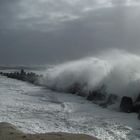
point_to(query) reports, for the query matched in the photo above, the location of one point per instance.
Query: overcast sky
(52, 31)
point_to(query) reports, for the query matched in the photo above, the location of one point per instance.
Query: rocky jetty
(126, 104)
(30, 77)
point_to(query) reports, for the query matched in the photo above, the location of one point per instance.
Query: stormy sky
(52, 31)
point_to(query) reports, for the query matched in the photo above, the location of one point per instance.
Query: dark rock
(22, 72)
(136, 107)
(1, 73)
(96, 95)
(139, 115)
(138, 99)
(23, 76)
(126, 104)
(76, 88)
(110, 100)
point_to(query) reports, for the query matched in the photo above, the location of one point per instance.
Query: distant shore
(9, 132)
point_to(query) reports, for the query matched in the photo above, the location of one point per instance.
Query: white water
(118, 70)
(33, 109)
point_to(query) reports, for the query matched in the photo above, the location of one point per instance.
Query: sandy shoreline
(9, 132)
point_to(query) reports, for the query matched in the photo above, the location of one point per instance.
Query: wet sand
(9, 132)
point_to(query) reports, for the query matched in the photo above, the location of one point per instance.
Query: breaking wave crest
(118, 71)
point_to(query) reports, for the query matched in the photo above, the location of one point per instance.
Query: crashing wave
(117, 71)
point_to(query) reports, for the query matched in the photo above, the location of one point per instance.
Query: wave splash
(118, 71)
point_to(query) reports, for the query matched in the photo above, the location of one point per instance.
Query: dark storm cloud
(45, 31)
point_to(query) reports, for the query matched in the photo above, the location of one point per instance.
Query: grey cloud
(119, 2)
(35, 14)
(49, 32)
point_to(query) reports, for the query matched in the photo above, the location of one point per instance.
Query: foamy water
(33, 109)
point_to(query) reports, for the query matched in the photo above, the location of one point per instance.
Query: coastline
(10, 132)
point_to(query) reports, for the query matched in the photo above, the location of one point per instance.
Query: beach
(9, 132)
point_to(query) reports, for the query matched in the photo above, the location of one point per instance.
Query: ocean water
(36, 109)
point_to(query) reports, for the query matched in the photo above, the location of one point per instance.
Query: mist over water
(118, 70)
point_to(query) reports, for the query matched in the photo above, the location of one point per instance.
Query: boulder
(1, 73)
(138, 98)
(126, 104)
(136, 106)
(139, 115)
